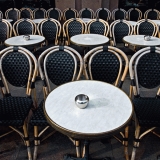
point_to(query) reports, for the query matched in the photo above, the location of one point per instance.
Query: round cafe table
(88, 40)
(37, 20)
(20, 41)
(9, 20)
(133, 23)
(108, 112)
(138, 40)
(86, 20)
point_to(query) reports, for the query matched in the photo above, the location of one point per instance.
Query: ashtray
(147, 37)
(26, 37)
(81, 101)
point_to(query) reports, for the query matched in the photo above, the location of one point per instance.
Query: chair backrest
(18, 67)
(144, 69)
(24, 26)
(146, 27)
(5, 30)
(73, 27)
(69, 13)
(119, 29)
(58, 65)
(13, 14)
(103, 13)
(54, 13)
(1, 15)
(50, 29)
(134, 14)
(152, 14)
(86, 13)
(105, 63)
(98, 26)
(26, 13)
(118, 13)
(39, 13)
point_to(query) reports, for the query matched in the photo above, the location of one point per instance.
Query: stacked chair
(12, 13)
(103, 13)
(86, 13)
(39, 13)
(69, 13)
(134, 14)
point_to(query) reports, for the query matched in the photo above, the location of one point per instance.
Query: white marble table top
(109, 108)
(138, 40)
(19, 40)
(89, 39)
(133, 23)
(9, 20)
(38, 20)
(86, 20)
(156, 21)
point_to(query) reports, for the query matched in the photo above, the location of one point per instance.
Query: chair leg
(26, 138)
(36, 142)
(126, 143)
(136, 142)
(78, 149)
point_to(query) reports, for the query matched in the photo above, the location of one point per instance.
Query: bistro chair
(12, 13)
(146, 27)
(86, 13)
(71, 28)
(103, 13)
(57, 65)
(108, 64)
(1, 15)
(134, 14)
(144, 70)
(23, 27)
(54, 13)
(118, 13)
(18, 67)
(69, 13)
(39, 13)
(51, 30)
(119, 29)
(98, 26)
(152, 14)
(5, 32)
(26, 13)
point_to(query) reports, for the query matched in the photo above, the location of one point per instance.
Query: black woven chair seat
(150, 107)
(42, 49)
(14, 110)
(38, 118)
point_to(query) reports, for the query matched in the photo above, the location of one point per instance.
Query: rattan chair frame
(149, 10)
(106, 25)
(1, 15)
(135, 90)
(7, 11)
(59, 11)
(58, 33)
(89, 9)
(30, 87)
(65, 29)
(9, 29)
(107, 10)
(129, 12)
(136, 27)
(36, 9)
(119, 81)
(16, 24)
(47, 88)
(115, 10)
(112, 26)
(29, 10)
(74, 10)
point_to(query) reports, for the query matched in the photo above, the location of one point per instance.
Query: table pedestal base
(69, 157)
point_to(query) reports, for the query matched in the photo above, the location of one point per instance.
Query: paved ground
(56, 146)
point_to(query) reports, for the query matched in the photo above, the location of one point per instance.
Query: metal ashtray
(26, 37)
(81, 101)
(147, 37)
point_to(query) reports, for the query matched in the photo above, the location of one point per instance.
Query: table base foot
(69, 157)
